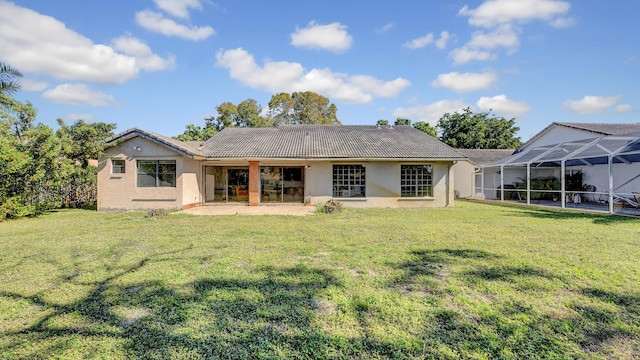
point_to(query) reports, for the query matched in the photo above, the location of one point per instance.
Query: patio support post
(562, 185)
(610, 158)
(501, 182)
(528, 183)
(254, 183)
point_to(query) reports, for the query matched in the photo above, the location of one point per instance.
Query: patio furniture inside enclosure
(602, 171)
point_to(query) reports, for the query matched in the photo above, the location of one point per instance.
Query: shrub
(156, 212)
(15, 207)
(331, 206)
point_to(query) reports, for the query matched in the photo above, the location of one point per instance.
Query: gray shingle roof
(602, 128)
(327, 141)
(596, 128)
(485, 156)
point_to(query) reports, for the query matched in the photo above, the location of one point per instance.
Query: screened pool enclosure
(601, 173)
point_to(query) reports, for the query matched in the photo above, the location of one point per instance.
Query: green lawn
(475, 281)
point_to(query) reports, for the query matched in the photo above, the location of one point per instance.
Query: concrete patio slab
(286, 210)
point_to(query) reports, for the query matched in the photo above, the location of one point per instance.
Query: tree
(196, 133)
(84, 140)
(426, 128)
(402, 121)
(248, 115)
(226, 116)
(41, 169)
(469, 130)
(382, 122)
(245, 114)
(302, 108)
(9, 79)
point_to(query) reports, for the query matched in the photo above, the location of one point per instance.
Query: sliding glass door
(281, 184)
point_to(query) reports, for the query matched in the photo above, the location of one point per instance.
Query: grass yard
(476, 281)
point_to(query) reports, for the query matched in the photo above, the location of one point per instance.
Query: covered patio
(601, 174)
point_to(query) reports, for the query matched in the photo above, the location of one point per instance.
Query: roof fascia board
(335, 159)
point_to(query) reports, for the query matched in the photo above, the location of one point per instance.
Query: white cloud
(503, 18)
(464, 55)
(563, 22)
(386, 28)
(78, 94)
(156, 22)
(428, 39)
(85, 117)
(178, 8)
(465, 82)
(430, 113)
(493, 12)
(501, 36)
(44, 45)
(145, 58)
(441, 43)
(500, 104)
(420, 42)
(33, 85)
(622, 108)
(591, 104)
(289, 77)
(333, 37)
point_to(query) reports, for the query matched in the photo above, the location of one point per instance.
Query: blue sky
(162, 64)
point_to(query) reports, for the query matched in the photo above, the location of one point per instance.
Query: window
(415, 181)
(156, 173)
(117, 166)
(348, 181)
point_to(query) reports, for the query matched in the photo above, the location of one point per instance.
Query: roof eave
(132, 133)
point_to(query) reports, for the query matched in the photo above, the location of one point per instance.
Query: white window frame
(416, 180)
(120, 167)
(349, 181)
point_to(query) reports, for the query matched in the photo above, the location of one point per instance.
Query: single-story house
(361, 166)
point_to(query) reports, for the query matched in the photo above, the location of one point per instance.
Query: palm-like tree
(8, 79)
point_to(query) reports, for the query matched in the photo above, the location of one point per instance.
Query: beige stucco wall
(382, 185)
(120, 191)
(192, 190)
(464, 174)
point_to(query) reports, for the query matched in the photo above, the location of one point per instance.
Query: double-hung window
(117, 166)
(156, 173)
(416, 180)
(349, 181)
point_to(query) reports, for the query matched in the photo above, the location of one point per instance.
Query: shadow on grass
(540, 212)
(501, 317)
(269, 313)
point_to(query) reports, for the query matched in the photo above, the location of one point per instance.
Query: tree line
(463, 129)
(43, 169)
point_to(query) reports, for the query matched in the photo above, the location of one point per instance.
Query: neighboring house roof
(187, 148)
(596, 128)
(328, 141)
(603, 129)
(485, 156)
